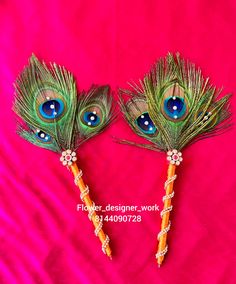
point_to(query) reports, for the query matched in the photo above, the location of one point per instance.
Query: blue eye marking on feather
(52, 108)
(175, 107)
(42, 136)
(206, 114)
(145, 124)
(91, 118)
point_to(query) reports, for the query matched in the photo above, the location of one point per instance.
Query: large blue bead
(175, 107)
(51, 108)
(145, 124)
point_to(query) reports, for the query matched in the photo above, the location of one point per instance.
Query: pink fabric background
(43, 239)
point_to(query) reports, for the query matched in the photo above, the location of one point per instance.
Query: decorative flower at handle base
(174, 157)
(68, 157)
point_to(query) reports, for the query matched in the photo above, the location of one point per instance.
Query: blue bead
(145, 124)
(91, 119)
(51, 108)
(42, 136)
(175, 107)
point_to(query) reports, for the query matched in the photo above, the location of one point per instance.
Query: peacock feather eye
(42, 136)
(50, 105)
(51, 109)
(174, 106)
(137, 113)
(91, 116)
(145, 124)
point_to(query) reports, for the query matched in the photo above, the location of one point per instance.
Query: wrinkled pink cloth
(43, 238)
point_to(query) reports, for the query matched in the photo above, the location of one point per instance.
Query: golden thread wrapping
(89, 203)
(165, 223)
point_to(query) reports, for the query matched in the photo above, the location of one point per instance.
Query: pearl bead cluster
(68, 157)
(174, 157)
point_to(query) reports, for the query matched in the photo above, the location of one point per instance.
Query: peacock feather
(46, 100)
(172, 107)
(54, 118)
(94, 112)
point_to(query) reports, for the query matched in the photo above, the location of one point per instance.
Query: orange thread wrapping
(165, 223)
(92, 214)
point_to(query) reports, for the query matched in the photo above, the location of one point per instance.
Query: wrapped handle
(165, 215)
(84, 195)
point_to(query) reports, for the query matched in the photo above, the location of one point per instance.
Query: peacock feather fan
(174, 106)
(55, 118)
